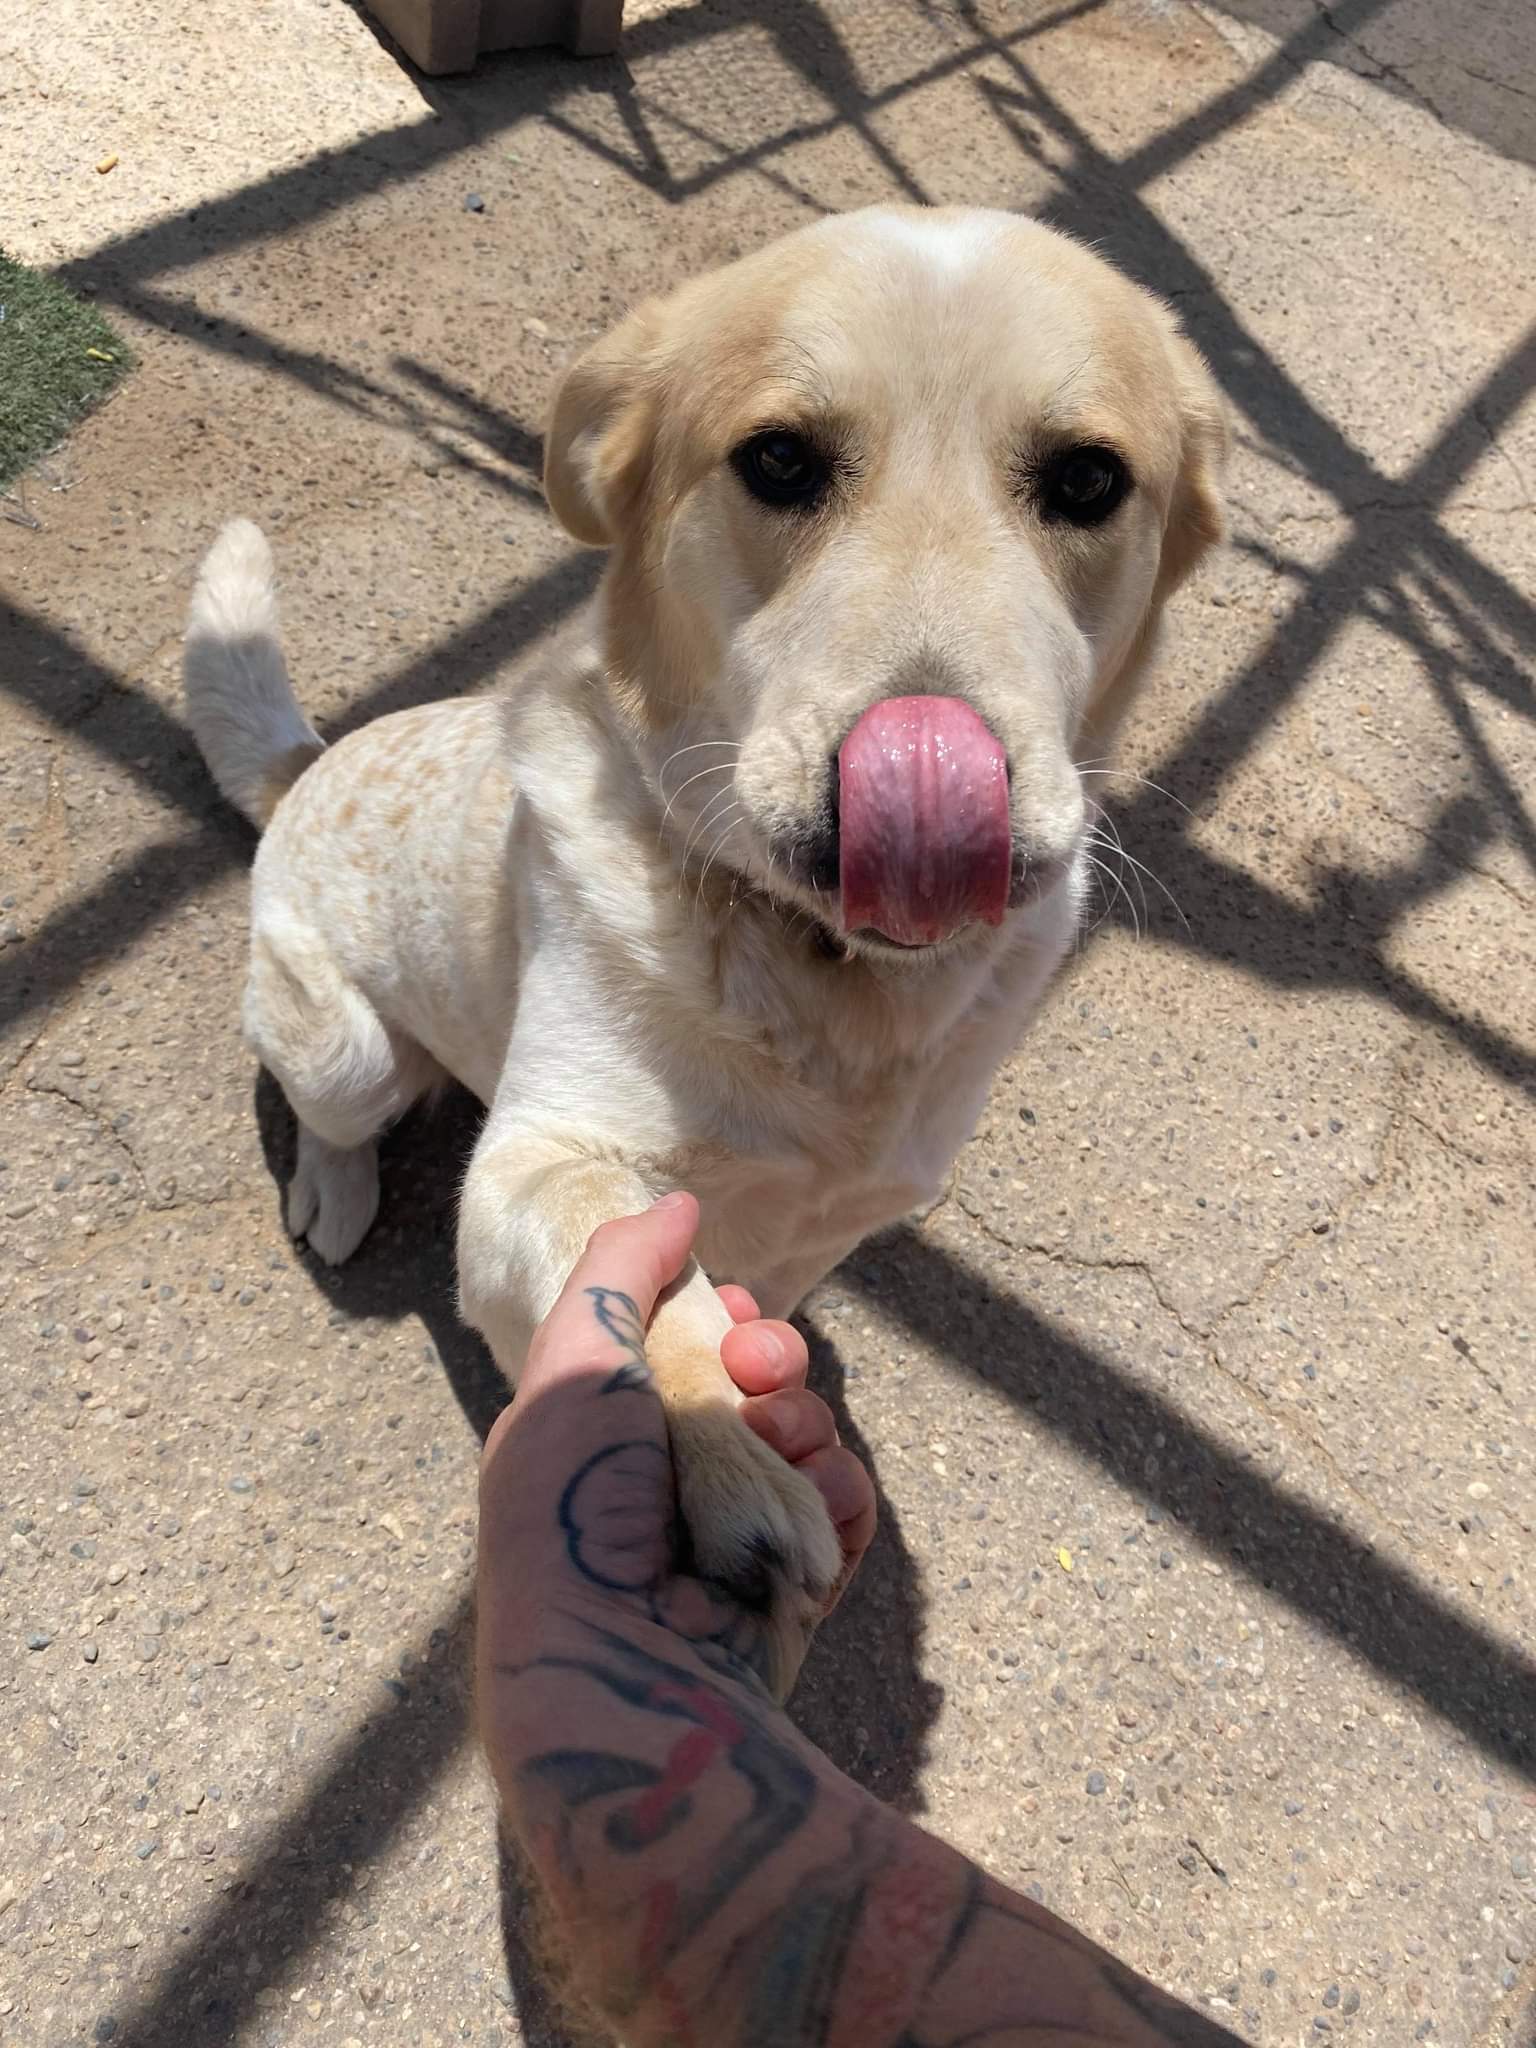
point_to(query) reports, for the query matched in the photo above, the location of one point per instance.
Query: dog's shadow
(405, 1265)
(862, 1697)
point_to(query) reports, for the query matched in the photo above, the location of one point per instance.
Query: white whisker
(1130, 904)
(703, 820)
(721, 836)
(695, 747)
(1100, 875)
(1142, 782)
(719, 768)
(1109, 838)
(1159, 884)
(1139, 868)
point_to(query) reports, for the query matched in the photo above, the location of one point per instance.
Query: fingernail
(673, 1201)
(768, 1347)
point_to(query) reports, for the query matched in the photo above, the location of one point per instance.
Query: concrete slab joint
(451, 35)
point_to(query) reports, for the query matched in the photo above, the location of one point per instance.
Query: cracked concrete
(1202, 1405)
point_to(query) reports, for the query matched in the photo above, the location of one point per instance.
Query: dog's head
(895, 505)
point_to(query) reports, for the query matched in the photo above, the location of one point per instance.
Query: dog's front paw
(759, 1530)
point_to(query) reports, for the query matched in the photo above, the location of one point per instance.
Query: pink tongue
(927, 844)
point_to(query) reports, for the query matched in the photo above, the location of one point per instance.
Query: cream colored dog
(754, 878)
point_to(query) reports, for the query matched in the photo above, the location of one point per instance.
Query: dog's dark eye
(1083, 485)
(781, 468)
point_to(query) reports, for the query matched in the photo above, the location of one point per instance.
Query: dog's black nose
(821, 861)
(817, 850)
(810, 849)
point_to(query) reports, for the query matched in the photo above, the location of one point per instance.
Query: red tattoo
(660, 1907)
(688, 1760)
(900, 1932)
(672, 2004)
(660, 1904)
(702, 1703)
(689, 1757)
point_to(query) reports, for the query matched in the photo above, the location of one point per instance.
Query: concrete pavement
(1203, 1406)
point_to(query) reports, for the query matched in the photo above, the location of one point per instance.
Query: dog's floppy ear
(598, 447)
(1196, 521)
(1196, 518)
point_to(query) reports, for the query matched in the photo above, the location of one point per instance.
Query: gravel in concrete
(1202, 1405)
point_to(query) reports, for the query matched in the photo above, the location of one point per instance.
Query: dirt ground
(1202, 1407)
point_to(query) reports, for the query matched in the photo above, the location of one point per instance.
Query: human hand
(707, 1873)
(578, 1506)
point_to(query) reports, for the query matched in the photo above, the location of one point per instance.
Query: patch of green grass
(58, 358)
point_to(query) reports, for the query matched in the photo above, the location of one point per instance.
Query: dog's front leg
(758, 1528)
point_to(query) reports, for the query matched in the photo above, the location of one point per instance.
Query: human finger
(738, 1304)
(601, 1316)
(792, 1421)
(569, 1478)
(761, 1357)
(848, 1494)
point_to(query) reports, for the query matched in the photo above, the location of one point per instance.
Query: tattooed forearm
(766, 1807)
(700, 1864)
(735, 1890)
(716, 1882)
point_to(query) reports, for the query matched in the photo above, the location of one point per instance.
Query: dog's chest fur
(502, 905)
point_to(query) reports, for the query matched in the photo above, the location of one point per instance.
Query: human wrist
(709, 1875)
(670, 1812)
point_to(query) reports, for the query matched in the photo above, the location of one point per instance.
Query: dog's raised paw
(759, 1530)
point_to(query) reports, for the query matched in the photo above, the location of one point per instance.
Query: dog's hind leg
(344, 1071)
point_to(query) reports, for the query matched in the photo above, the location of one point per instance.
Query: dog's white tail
(240, 704)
